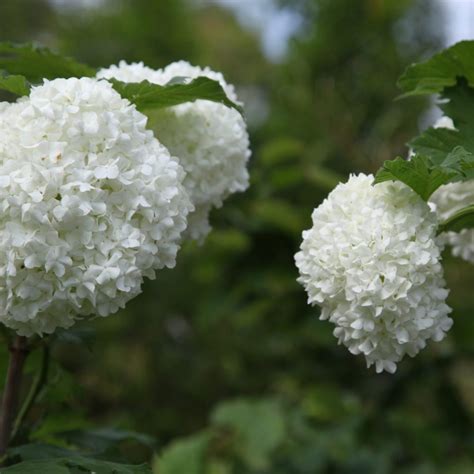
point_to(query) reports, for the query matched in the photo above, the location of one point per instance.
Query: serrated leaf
(423, 175)
(436, 143)
(440, 71)
(184, 456)
(462, 219)
(15, 84)
(147, 96)
(37, 63)
(74, 465)
(259, 428)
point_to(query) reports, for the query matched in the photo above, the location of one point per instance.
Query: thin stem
(35, 390)
(18, 353)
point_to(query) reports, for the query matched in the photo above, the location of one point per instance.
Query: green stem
(35, 390)
(18, 353)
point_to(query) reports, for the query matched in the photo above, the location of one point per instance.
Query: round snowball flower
(90, 204)
(209, 139)
(449, 199)
(371, 262)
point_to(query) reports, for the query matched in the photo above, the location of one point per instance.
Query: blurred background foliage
(220, 360)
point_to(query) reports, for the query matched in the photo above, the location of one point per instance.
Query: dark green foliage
(154, 31)
(74, 465)
(37, 63)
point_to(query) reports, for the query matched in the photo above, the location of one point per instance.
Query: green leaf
(462, 219)
(34, 467)
(37, 63)
(436, 143)
(440, 71)
(259, 428)
(16, 84)
(423, 175)
(100, 440)
(82, 336)
(36, 451)
(279, 214)
(146, 95)
(184, 456)
(73, 466)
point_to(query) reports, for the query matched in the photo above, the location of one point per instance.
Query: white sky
(459, 20)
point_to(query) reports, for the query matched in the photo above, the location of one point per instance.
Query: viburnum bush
(104, 174)
(372, 260)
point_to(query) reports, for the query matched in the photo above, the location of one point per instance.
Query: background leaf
(73, 466)
(100, 440)
(36, 451)
(184, 456)
(37, 63)
(83, 336)
(259, 428)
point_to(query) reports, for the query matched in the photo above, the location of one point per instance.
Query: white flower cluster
(90, 201)
(372, 263)
(209, 139)
(451, 198)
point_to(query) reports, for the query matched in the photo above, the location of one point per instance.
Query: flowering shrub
(93, 201)
(372, 258)
(104, 174)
